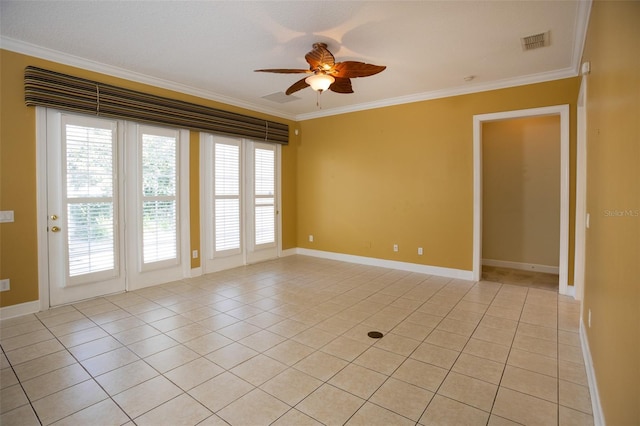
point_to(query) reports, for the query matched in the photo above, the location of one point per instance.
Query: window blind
(69, 93)
(90, 199)
(227, 196)
(264, 169)
(159, 198)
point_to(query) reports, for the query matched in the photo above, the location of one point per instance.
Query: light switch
(6, 216)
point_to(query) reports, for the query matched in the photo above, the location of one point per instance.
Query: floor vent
(535, 41)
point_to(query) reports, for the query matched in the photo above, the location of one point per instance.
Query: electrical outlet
(194, 254)
(6, 216)
(310, 238)
(420, 252)
(395, 247)
(5, 285)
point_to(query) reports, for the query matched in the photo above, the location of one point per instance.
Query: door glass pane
(227, 169)
(265, 219)
(227, 212)
(159, 198)
(89, 155)
(264, 202)
(265, 171)
(227, 196)
(91, 242)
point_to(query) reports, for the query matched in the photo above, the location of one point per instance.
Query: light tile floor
(285, 343)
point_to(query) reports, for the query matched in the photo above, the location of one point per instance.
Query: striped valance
(51, 89)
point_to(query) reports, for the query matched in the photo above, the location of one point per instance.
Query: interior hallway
(532, 279)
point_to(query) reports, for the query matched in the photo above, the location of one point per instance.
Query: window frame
(250, 253)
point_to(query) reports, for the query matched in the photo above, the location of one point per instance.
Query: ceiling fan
(326, 73)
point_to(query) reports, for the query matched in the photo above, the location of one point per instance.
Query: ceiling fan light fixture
(324, 73)
(320, 82)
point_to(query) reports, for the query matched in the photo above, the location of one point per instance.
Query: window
(264, 196)
(239, 193)
(114, 192)
(90, 196)
(227, 196)
(159, 197)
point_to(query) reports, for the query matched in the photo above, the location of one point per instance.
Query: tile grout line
(345, 286)
(21, 387)
(326, 382)
(461, 352)
(87, 371)
(506, 361)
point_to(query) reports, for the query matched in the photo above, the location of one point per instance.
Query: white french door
(84, 209)
(107, 234)
(239, 199)
(262, 210)
(157, 205)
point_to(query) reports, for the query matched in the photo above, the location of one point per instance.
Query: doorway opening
(563, 112)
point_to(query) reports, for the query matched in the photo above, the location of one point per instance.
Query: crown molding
(582, 21)
(580, 36)
(445, 93)
(29, 49)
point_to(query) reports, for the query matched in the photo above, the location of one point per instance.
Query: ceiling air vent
(535, 41)
(280, 97)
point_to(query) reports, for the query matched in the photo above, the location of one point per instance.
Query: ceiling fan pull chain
(318, 93)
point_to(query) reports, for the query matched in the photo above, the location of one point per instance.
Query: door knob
(55, 229)
(54, 217)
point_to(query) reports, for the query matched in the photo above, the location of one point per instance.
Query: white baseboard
(571, 291)
(391, 264)
(598, 415)
(33, 307)
(288, 252)
(522, 266)
(19, 310)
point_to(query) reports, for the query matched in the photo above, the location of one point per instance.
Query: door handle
(55, 229)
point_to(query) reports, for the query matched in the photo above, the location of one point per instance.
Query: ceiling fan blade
(285, 71)
(353, 69)
(321, 61)
(298, 85)
(341, 85)
(320, 57)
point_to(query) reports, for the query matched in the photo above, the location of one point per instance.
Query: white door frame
(581, 191)
(42, 207)
(478, 120)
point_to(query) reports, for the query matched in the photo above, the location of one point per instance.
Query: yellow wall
(612, 275)
(18, 242)
(404, 175)
(358, 182)
(521, 190)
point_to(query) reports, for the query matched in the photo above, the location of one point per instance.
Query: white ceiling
(210, 48)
